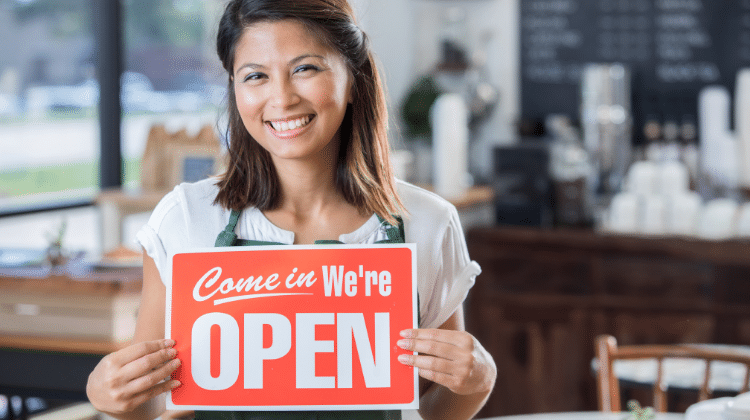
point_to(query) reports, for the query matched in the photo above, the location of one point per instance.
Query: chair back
(608, 351)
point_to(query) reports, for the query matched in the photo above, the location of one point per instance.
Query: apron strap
(227, 237)
(328, 242)
(395, 233)
(253, 242)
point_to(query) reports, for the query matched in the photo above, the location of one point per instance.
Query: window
(49, 93)
(172, 74)
(49, 129)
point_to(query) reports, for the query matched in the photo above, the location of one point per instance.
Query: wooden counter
(544, 295)
(56, 327)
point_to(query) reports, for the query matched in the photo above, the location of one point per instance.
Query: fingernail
(175, 384)
(407, 333)
(404, 344)
(169, 343)
(404, 358)
(172, 353)
(176, 362)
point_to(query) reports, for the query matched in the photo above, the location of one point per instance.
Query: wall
(405, 37)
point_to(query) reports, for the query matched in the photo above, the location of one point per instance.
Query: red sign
(293, 327)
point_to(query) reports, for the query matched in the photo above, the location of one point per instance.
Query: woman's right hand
(126, 379)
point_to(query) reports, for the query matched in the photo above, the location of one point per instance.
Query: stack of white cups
(656, 201)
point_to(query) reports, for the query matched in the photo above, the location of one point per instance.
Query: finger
(435, 348)
(153, 392)
(441, 378)
(136, 351)
(152, 379)
(456, 338)
(147, 364)
(434, 364)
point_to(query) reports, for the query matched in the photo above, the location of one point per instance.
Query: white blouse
(186, 218)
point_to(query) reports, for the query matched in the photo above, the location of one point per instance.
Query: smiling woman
(310, 62)
(292, 91)
(308, 164)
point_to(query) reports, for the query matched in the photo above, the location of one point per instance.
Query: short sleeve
(454, 274)
(153, 238)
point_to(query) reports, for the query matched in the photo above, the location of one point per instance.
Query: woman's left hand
(452, 358)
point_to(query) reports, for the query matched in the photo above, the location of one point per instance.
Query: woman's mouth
(281, 126)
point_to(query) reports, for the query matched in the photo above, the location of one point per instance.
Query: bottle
(689, 151)
(652, 130)
(670, 149)
(571, 171)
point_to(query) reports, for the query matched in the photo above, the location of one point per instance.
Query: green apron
(227, 237)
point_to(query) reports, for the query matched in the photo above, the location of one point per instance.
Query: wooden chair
(608, 387)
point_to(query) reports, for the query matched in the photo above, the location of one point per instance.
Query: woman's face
(291, 90)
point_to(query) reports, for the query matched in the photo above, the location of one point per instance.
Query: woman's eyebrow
(251, 66)
(304, 56)
(255, 66)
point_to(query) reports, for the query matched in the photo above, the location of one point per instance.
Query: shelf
(63, 345)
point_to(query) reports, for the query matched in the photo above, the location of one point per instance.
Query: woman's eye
(254, 76)
(305, 67)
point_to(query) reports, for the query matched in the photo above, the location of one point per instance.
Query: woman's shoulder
(422, 203)
(428, 218)
(194, 193)
(195, 199)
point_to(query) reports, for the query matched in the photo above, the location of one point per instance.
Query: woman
(308, 161)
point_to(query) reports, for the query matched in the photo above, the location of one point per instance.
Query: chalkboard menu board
(673, 48)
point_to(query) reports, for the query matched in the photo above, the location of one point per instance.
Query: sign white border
(413, 405)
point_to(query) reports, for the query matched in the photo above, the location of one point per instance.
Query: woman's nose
(283, 93)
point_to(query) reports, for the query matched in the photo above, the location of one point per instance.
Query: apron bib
(227, 237)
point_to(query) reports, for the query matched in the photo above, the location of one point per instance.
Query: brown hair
(363, 171)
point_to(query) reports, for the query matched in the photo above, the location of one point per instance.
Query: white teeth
(290, 125)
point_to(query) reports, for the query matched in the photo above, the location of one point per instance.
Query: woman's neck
(311, 205)
(306, 186)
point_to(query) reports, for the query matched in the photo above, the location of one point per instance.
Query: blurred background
(51, 92)
(585, 91)
(598, 152)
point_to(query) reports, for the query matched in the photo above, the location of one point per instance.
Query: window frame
(108, 27)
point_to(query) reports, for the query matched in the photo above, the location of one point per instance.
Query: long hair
(363, 171)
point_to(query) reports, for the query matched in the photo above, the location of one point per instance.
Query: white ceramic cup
(643, 178)
(683, 211)
(743, 221)
(673, 178)
(653, 216)
(624, 213)
(718, 219)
